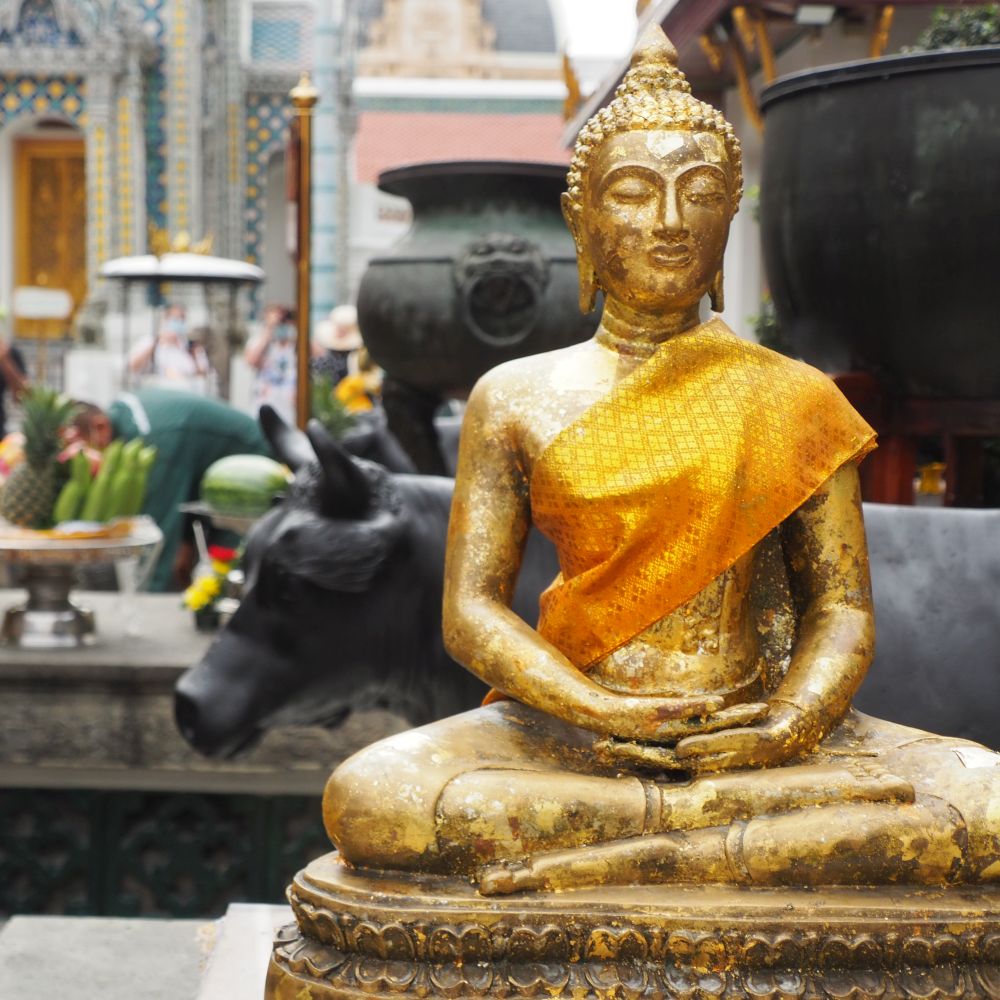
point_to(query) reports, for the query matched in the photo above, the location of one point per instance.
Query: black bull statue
(342, 609)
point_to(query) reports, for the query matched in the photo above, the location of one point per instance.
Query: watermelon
(243, 485)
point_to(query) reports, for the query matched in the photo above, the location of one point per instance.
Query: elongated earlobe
(716, 296)
(588, 285)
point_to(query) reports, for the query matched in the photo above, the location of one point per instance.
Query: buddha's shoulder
(516, 381)
(767, 361)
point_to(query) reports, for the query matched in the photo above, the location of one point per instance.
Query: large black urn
(880, 201)
(486, 273)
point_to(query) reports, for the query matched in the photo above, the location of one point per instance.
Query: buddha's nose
(670, 222)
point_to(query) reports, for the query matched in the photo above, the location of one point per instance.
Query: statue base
(375, 935)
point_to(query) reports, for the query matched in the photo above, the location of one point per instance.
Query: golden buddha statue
(682, 714)
(640, 734)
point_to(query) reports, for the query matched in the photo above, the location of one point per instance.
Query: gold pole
(880, 32)
(304, 97)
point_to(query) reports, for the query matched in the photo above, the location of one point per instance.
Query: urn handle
(500, 281)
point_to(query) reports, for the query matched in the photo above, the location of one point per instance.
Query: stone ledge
(101, 717)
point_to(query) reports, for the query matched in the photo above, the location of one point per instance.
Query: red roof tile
(395, 138)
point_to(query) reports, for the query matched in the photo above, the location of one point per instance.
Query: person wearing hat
(337, 339)
(271, 354)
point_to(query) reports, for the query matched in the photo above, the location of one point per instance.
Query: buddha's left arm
(825, 549)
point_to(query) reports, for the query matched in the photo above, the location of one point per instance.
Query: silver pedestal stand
(49, 619)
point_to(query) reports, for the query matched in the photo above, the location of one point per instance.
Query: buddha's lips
(670, 256)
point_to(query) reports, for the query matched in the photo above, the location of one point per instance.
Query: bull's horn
(289, 444)
(346, 492)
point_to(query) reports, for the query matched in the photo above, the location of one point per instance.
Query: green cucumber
(136, 491)
(68, 502)
(97, 495)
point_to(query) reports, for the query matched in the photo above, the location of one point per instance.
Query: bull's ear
(377, 444)
(289, 444)
(346, 492)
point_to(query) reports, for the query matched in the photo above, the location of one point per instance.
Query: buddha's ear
(585, 268)
(569, 210)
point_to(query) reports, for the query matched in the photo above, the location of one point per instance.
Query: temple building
(126, 123)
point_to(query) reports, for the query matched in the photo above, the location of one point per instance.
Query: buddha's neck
(628, 332)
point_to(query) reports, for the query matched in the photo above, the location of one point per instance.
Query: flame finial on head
(654, 49)
(653, 95)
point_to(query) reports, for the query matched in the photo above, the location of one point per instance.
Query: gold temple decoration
(880, 31)
(713, 51)
(747, 97)
(764, 45)
(574, 97)
(744, 27)
(160, 242)
(675, 797)
(50, 224)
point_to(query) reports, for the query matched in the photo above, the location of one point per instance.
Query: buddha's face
(655, 217)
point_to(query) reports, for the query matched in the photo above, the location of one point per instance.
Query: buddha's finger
(738, 716)
(734, 717)
(669, 710)
(742, 741)
(647, 755)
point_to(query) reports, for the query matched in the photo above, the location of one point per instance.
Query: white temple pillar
(231, 237)
(130, 162)
(332, 131)
(182, 25)
(99, 137)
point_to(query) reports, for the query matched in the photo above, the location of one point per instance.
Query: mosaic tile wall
(155, 100)
(37, 25)
(276, 40)
(268, 117)
(58, 95)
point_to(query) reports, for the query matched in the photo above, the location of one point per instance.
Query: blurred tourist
(272, 355)
(12, 379)
(189, 432)
(336, 339)
(171, 356)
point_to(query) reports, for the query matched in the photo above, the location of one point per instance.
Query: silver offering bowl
(47, 569)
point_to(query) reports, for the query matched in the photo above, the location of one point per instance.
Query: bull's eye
(289, 589)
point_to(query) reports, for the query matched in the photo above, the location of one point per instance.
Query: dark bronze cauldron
(486, 273)
(880, 218)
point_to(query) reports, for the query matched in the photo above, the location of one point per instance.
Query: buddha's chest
(708, 644)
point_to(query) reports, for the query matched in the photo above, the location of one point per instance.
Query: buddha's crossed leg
(524, 799)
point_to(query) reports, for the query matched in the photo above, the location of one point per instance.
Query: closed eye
(630, 189)
(703, 186)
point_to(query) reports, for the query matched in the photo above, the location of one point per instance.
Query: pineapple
(30, 492)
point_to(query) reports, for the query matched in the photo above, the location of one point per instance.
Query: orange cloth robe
(683, 467)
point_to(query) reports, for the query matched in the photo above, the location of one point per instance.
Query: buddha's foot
(505, 877)
(664, 857)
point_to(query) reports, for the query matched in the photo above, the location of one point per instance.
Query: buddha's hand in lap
(653, 718)
(783, 733)
(658, 756)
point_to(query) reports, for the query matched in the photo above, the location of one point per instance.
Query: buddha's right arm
(490, 519)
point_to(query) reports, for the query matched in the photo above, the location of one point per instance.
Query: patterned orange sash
(684, 466)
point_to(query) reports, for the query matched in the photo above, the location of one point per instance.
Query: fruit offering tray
(46, 564)
(79, 542)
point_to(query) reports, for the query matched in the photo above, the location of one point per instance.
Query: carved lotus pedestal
(379, 936)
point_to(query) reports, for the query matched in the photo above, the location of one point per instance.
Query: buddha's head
(655, 180)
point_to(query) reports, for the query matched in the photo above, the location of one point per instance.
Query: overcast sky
(601, 28)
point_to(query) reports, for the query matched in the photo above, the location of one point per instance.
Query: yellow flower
(351, 392)
(202, 592)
